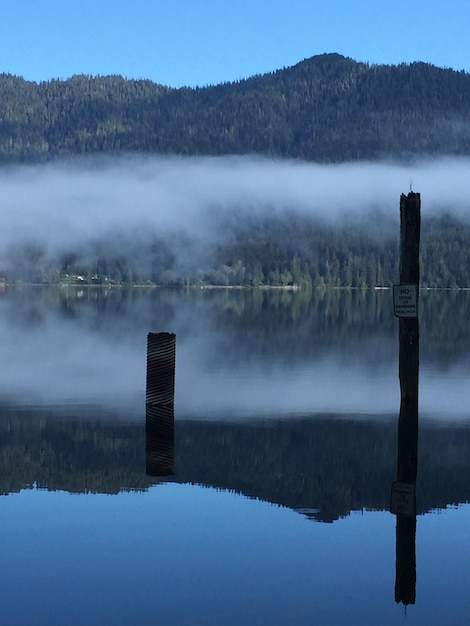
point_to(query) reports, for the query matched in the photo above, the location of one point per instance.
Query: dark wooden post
(159, 404)
(406, 297)
(410, 225)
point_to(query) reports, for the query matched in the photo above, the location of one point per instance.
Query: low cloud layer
(66, 205)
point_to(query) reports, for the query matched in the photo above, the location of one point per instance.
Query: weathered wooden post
(159, 404)
(410, 226)
(403, 501)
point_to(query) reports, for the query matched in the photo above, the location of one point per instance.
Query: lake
(285, 450)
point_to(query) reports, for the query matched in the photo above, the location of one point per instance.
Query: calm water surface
(285, 451)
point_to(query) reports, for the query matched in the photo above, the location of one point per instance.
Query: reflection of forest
(323, 463)
(252, 324)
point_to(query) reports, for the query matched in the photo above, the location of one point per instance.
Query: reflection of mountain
(327, 464)
(323, 463)
(74, 455)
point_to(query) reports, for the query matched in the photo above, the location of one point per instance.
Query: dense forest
(326, 108)
(283, 251)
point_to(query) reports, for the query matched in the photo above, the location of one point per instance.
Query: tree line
(279, 251)
(326, 108)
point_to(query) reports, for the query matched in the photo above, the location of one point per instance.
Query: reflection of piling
(405, 564)
(159, 404)
(403, 493)
(160, 440)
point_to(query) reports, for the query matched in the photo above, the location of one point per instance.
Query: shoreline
(4, 285)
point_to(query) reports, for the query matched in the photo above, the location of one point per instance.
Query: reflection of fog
(235, 356)
(54, 364)
(324, 385)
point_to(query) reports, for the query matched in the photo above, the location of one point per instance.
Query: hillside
(327, 108)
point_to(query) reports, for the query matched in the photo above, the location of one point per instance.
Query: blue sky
(201, 42)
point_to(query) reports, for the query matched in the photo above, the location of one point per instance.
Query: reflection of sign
(405, 300)
(403, 499)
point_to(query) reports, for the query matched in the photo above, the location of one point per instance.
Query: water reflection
(260, 439)
(405, 578)
(326, 464)
(324, 468)
(160, 440)
(241, 353)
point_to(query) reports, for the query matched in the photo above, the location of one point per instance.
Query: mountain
(327, 108)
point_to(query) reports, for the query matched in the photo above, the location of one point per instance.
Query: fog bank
(61, 206)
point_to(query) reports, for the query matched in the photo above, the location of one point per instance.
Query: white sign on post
(405, 300)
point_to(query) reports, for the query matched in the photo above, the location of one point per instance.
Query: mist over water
(125, 201)
(240, 353)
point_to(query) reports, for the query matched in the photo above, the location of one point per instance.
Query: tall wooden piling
(159, 404)
(410, 226)
(406, 307)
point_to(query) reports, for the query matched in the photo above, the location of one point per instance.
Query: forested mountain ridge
(327, 108)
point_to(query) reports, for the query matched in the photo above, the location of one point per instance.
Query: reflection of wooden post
(407, 460)
(405, 564)
(159, 404)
